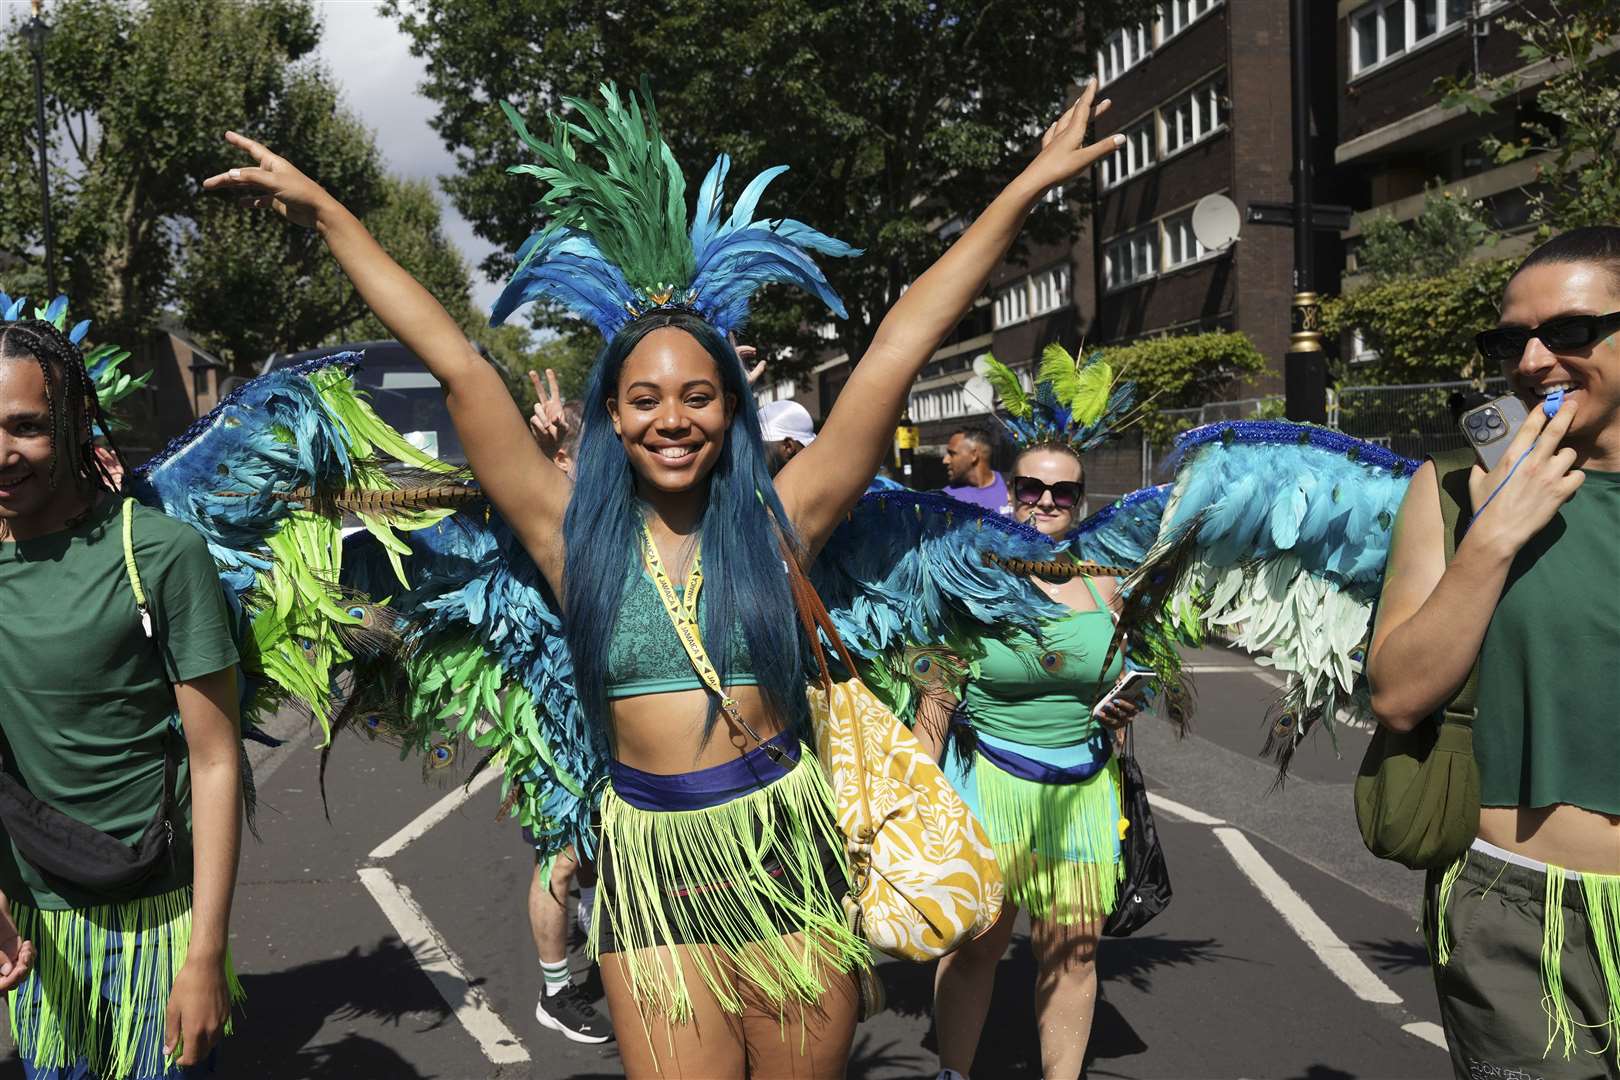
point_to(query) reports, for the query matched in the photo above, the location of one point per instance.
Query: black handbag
(67, 849)
(1146, 889)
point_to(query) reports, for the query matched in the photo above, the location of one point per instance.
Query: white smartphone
(1134, 686)
(1490, 427)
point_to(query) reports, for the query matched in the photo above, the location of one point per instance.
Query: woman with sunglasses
(1522, 928)
(1041, 776)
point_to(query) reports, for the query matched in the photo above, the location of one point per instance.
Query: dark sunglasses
(1028, 491)
(1505, 344)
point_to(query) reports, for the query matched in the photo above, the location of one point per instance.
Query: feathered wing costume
(1275, 537)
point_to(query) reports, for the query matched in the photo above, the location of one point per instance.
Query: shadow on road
(1395, 954)
(285, 1009)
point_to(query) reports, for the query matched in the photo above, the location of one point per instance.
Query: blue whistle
(1550, 404)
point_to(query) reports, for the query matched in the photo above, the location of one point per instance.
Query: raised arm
(1432, 617)
(530, 492)
(823, 481)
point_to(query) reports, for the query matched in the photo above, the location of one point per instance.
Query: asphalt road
(1287, 953)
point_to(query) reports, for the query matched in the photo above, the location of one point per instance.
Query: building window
(1360, 351)
(1181, 246)
(1051, 289)
(1122, 50)
(1131, 158)
(1386, 29)
(1131, 258)
(1180, 14)
(1194, 117)
(1012, 303)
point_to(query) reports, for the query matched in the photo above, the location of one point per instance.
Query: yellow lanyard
(683, 614)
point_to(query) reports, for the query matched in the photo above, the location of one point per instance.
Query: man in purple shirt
(967, 465)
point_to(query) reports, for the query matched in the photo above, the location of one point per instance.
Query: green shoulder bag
(1417, 793)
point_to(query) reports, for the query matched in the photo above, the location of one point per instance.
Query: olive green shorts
(1507, 1016)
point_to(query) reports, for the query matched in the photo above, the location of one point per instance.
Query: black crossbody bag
(65, 848)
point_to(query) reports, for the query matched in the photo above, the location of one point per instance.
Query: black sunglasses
(1028, 491)
(1505, 344)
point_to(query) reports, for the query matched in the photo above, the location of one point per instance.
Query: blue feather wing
(1275, 536)
(488, 664)
(1121, 533)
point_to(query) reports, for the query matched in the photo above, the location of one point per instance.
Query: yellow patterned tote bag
(923, 877)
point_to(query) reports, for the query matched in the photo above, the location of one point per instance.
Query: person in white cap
(786, 428)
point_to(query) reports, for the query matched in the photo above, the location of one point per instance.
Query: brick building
(1203, 96)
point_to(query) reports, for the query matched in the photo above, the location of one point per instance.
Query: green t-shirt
(87, 700)
(1547, 730)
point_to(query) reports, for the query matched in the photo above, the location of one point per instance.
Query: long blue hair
(743, 527)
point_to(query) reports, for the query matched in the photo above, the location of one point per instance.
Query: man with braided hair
(118, 715)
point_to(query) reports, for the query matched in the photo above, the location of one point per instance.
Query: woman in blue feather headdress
(1040, 773)
(721, 868)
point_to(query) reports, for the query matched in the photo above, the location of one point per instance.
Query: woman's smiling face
(671, 411)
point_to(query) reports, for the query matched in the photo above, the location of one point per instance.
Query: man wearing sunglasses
(967, 465)
(1521, 928)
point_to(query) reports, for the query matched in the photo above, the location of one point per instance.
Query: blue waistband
(704, 788)
(1099, 748)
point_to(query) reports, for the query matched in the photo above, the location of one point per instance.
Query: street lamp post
(35, 31)
(1305, 366)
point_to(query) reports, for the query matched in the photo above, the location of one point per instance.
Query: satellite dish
(979, 392)
(1215, 222)
(981, 365)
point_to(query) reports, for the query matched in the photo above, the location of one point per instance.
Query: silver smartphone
(1490, 427)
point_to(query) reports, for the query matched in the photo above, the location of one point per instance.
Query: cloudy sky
(381, 89)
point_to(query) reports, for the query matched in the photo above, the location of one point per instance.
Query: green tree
(1577, 117)
(1183, 371)
(1422, 328)
(896, 115)
(138, 96)
(1447, 232)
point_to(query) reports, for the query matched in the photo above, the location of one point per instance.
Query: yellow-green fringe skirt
(101, 980)
(1058, 844)
(752, 886)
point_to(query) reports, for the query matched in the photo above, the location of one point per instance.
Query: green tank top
(1548, 729)
(645, 656)
(1041, 692)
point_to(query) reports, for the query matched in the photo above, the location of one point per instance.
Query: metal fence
(1411, 420)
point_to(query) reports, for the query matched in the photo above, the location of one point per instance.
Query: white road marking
(433, 815)
(1428, 1031)
(1329, 948)
(1185, 813)
(442, 966)
(1221, 669)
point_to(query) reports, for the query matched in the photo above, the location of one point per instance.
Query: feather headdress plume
(1072, 403)
(618, 243)
(101, 363)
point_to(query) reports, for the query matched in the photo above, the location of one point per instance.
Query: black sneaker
(570, 1012)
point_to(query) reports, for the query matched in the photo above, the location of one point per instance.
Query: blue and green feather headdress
(102, 362)
(618, 244)
(1075, 404)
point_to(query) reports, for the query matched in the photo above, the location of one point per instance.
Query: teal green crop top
(645, 656)
(1042, 692)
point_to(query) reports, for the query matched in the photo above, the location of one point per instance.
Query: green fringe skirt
(1058, 844)
(100, 983)
(750, 887)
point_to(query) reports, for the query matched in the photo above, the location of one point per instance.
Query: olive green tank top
(1041, 692)
(1548, 729)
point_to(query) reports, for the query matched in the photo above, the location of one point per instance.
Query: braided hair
(71, 396)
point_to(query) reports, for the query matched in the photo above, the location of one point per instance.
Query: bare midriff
(1562, 835)
(663, 733)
